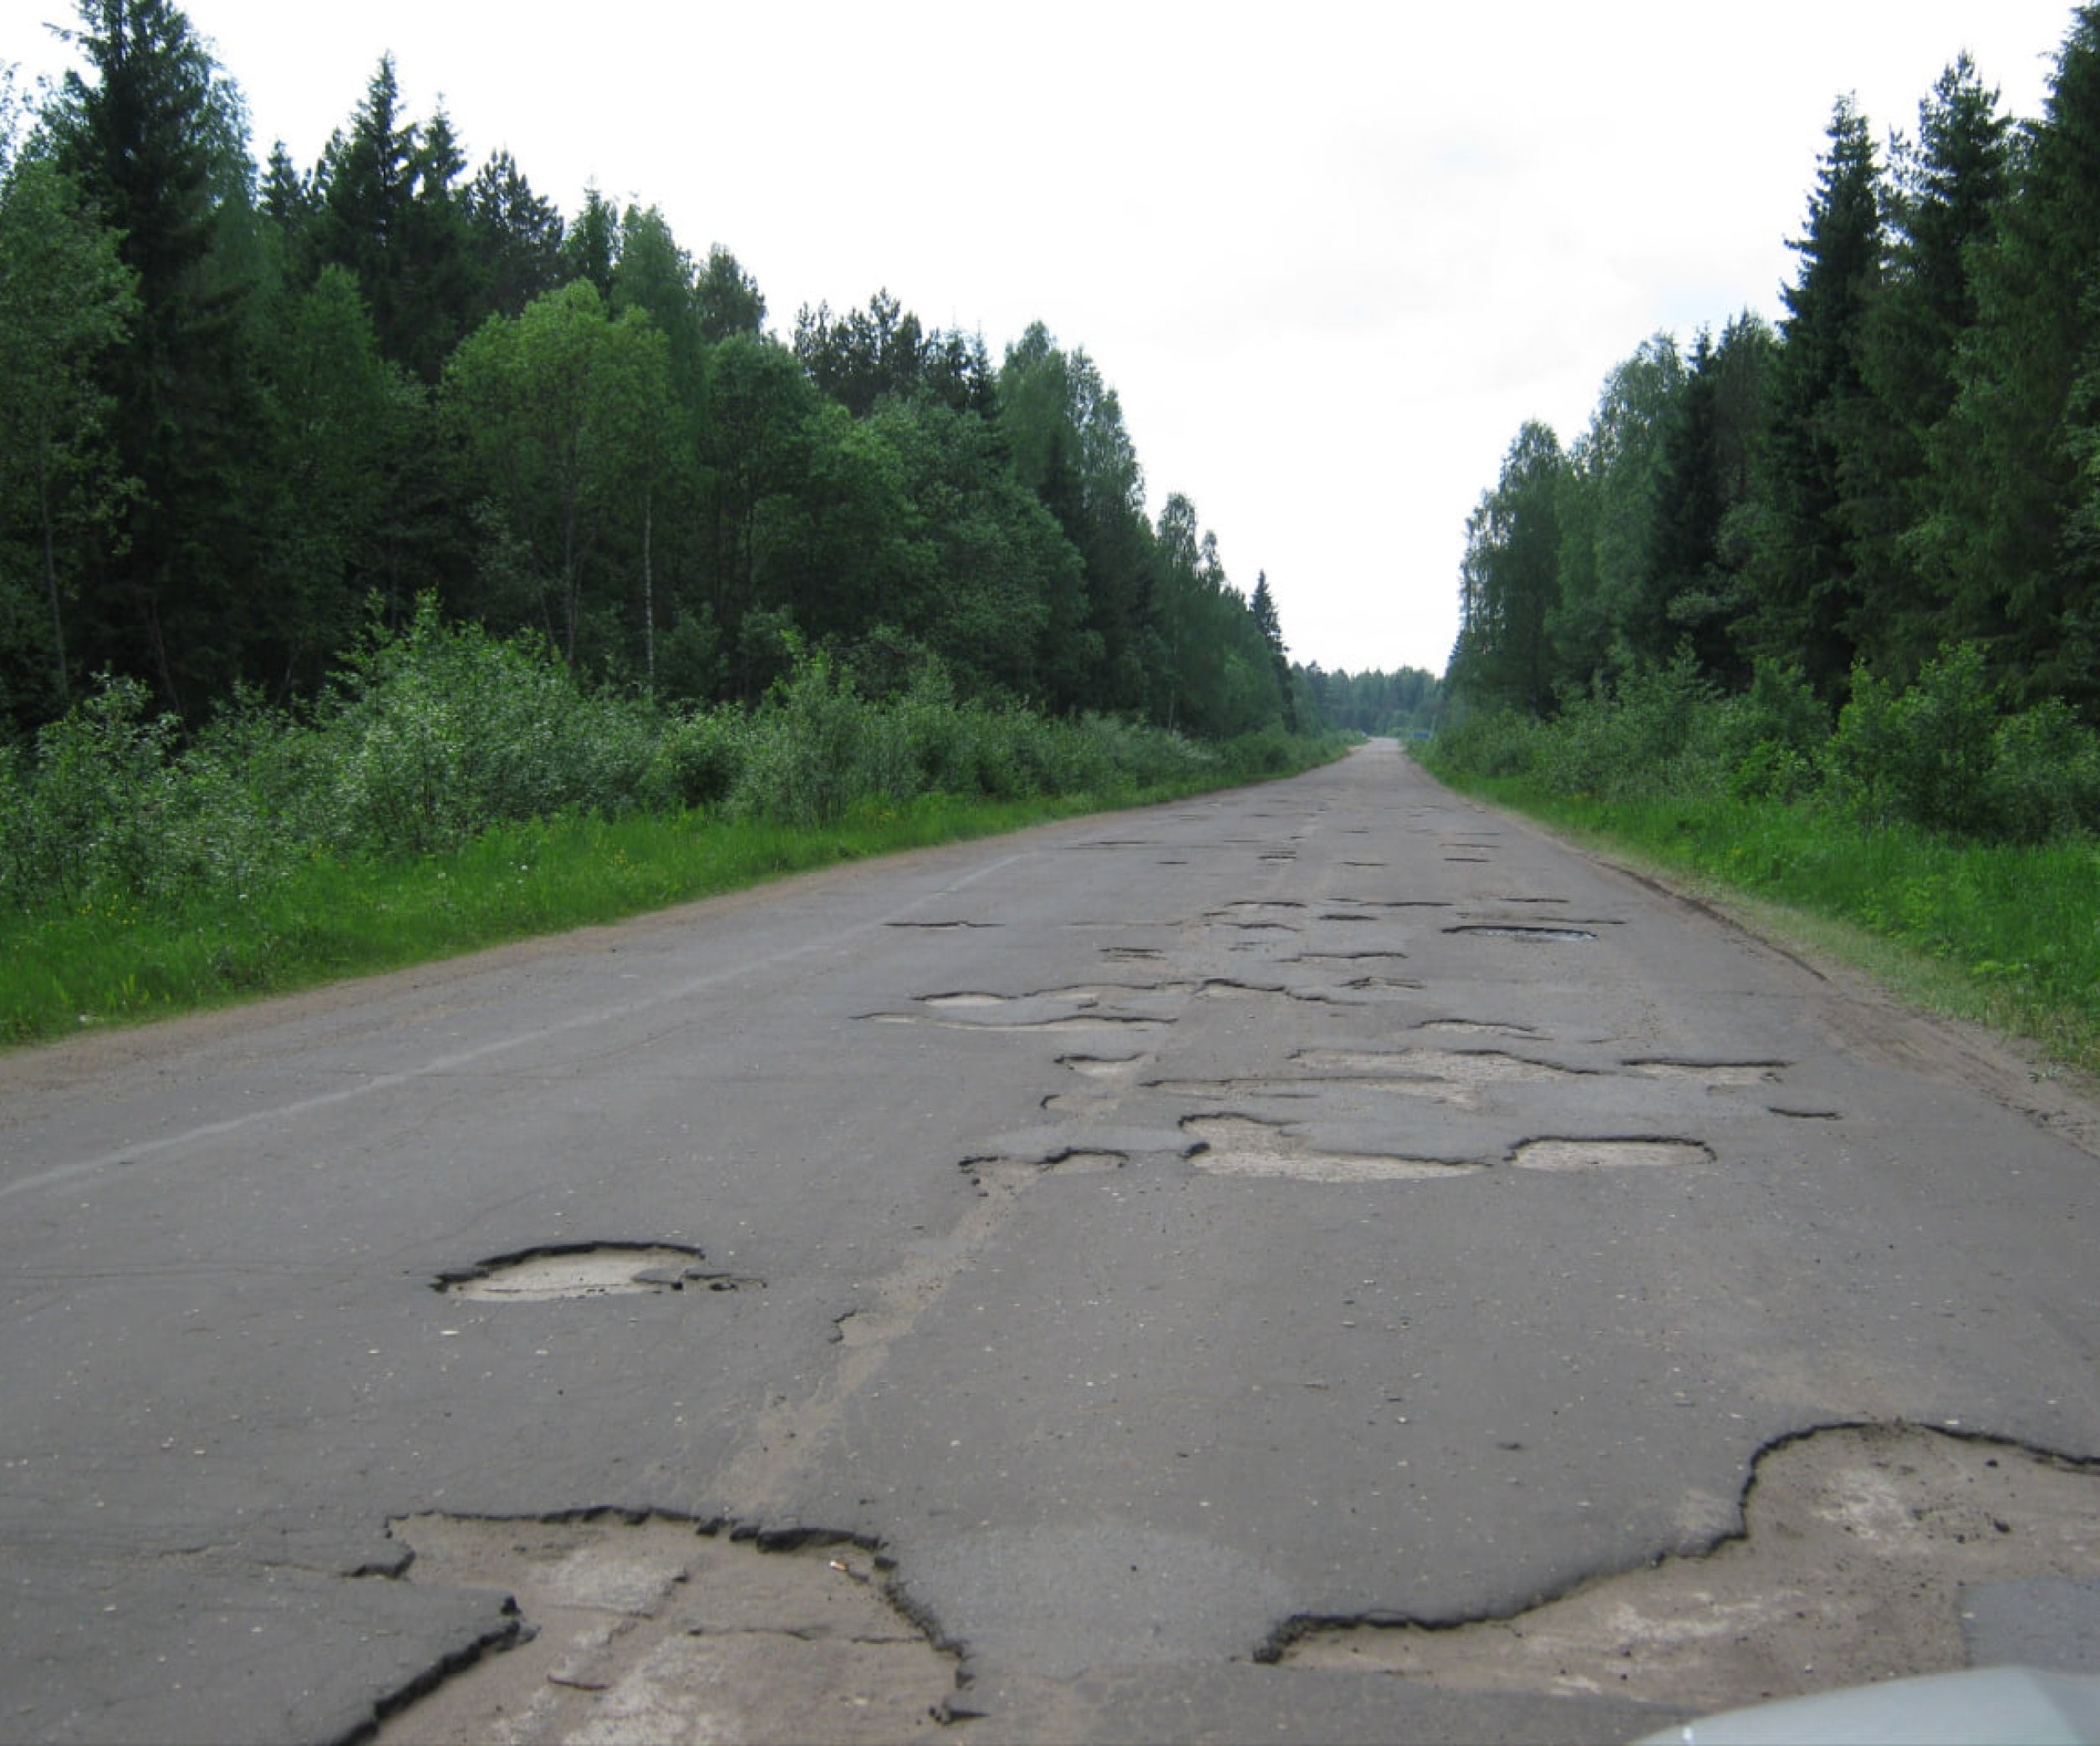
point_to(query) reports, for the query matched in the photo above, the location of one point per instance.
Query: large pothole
(1868, 1552)
(656, 1630)
(587, 1270)
(1464, 1067)
(1236, 1146)
(1578, 1155)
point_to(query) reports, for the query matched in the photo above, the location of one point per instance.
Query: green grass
(2003, 935)
(117, 961)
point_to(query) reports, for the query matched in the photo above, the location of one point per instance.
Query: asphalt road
(1129, 1246)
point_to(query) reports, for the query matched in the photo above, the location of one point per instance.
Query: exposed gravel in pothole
(1511, 931)
(1857, 1544)
(587, 1270)
(1711, 1073)
(1233, 1145)
(1574, 1155)
(656, 1631)
(1470, 1067)
(1104, 1067)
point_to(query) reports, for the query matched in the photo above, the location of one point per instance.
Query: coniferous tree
(516, 237)
(1946, 187)
(2015, 491)
(65, 300)
(1805, 574)
(154, 139)
(1706, 478)
(1263, 607)
(591, 246)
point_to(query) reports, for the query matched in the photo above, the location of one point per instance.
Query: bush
(441, 731)
(1658, 732)
(1921, 755)
(698, 761)
(818, 746)
(88, 818)
(1492, 743)
(2045, 775)
(433, 735)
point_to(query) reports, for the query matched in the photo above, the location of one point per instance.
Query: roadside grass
(2003, 935)
(116, 961)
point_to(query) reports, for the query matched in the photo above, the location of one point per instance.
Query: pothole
(1475, 1067)
(1865, 1551)
(1513, 930)
(587, 1270)
(662, 1629)
(1298, 1091)
(1236, 1146)
(1398, 903)
(942, 927)
(1711, 1073)
(1104, 1067)
(1477, 1028)
(1038, 1011)
(1575, 1154)
(1078, 1161)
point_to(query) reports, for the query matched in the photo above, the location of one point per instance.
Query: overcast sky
(1331, 256)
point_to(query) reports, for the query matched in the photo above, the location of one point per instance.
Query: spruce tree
(1946, 188)
(1263, 607)
(2011, 532)
(1806, 573)
(155, 140)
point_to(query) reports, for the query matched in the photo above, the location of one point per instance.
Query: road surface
(1117, 1282)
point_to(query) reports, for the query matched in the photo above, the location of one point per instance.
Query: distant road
(1128, 1245)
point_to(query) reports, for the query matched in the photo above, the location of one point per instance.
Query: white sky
(1331, 256)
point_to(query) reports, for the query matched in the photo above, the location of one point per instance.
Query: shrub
(698, 760)
(1488, 743)
(817, 747)
(1921, 755)
(1771, 739)
(1658, 732)
(440, 730)
(88, 818)
(2045, 775)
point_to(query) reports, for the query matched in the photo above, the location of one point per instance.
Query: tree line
(1404, 703)
(1908, 462)
(250, 405)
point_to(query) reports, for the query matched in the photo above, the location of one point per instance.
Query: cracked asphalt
(1162, 1258)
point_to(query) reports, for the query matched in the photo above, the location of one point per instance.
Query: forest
(253, 405)
(1871, 530)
